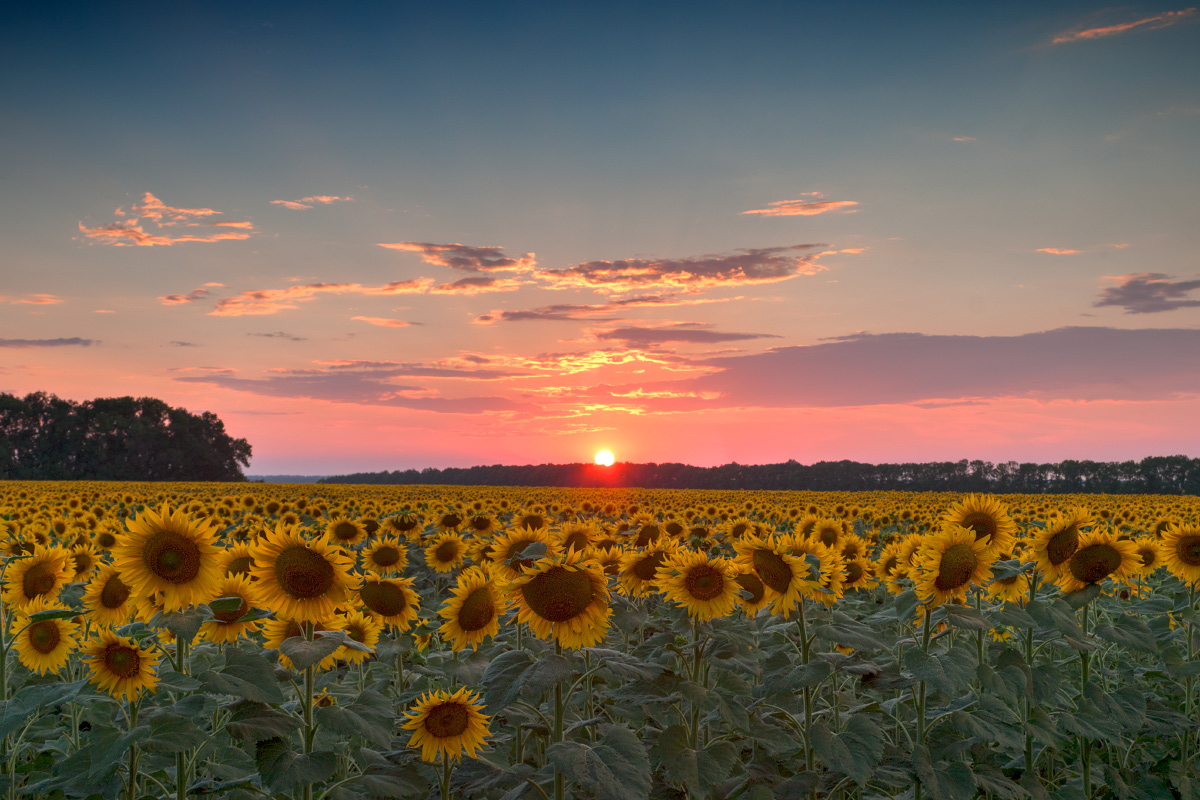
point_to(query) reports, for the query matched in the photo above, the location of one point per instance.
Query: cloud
(741, 268)
(131, 233)
(1149, 293)
(1058, 251)
(965, 139)
(803, 208)
(478, 285)
(1166, 19)
(71, 342)
(190, 297)
(37, 300)
(104, 311)
(291, 337)
(384, 322)
(465, 257)
(261, 302)
(683, 332)
(359, 386)
(570, 311)
(183, 344)
(306, 203)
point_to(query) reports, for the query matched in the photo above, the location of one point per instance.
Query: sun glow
(604, 458)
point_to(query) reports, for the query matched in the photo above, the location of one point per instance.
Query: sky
(409, 235)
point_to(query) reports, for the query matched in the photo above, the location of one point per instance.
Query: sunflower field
(286, 641)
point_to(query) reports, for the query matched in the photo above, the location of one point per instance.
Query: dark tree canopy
(1155, 475)
(43, 437)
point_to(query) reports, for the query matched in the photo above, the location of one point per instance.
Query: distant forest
(43, 437)
(1156, 475)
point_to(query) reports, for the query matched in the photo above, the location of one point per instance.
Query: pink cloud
(803, 208)
(291, 204)
(1059, 251)
(570, 311)
(131, 233)
(305, 203)
(1149, 293)
(38, 300)
(260, 302)
(190, 297)
(384, 322)
(466, 257)
(1163, 20)
(478, 285)
(965, 139)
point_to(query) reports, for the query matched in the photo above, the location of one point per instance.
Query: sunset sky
(445, 235)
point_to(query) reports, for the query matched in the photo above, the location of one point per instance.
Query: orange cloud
(38, 300)
(802, 208)
(1163, 20)
(384, 322)
(260, 302)
(479, 285)
(489, 258)
(571, 311)
(190, 297)
(965, 139)
(305, 203)
(131, 233)
(1059, 251)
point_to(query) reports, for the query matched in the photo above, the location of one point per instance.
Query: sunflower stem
(808, 694)
(560, 789)
(131, 783)
(1189, 681)
(1026, 701)
(444, 778)
(309, 686)
(926, 633)
(1085, 744)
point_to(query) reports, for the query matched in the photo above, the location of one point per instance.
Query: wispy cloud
(191, 297)
(307, 203)
(1166, 19)
(291, 337)
(36, 300)
(385, 322)
(183, 344)
(741, 268)
(803, 208)
(132, 233)
(1149, 293)
(488, 258)
(570, 311)
(965, 139)
(478, 285)
(1059, 251)
(73, 341)
(678, 332)
(259, 302)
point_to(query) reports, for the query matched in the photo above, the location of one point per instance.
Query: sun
(604, 458)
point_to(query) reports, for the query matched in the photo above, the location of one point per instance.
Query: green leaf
(948, 671)
(697, 771)
(258, 721)
(615, 768)
(546, 673)
(622, 664)
(177, 682)
(369, 716)
(1087, 594)
(849, 632)
(797, 787)
(1129, 632)
(967, 618)
(173, 733)
(304, 654)
(283, 769)
(53, 613)
(949, 781)
(248, 674)
(1014, 615)
(1002, 570)
(515, 671)
(855, 752)
(184, 624)
(224, 605)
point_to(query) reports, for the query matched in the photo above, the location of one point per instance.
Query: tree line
(43, 437)
(1154, 475)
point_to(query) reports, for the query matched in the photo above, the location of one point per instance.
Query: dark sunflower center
(345, 531)
(576, 541)
(122, 661)
(451, 520)
(446, 552)
(386, 556)
(739, 530)
(890, 565)
(44, 636)
(773, 570)
(385, 599)
(229, 617)
(647, 534)
(673, 528)
(854, 572)
(827, 536)
(83, 561)
(534, 521)
(39, 579)
(478, 610)
(750, 582)
(957, 565)
(446, 720)
(239, 566)
(559, 594)
(481, 523)
(704, 582)
(172, 556)
(356, 632)
(612, 566)
(303, 573)
(106, 540)
(1150, 555)
(1095, 562)
(1008, 581)
(983, 523)
(1062, 545)
(404, 525)
(647, 568)
(1188, 550)
(115, 593)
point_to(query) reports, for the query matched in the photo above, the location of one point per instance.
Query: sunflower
(578, 536)
(752, 592)
(86, 559)
(445, 552)
(277, 631)
(1012, 590)
(450, 521)
(444, 725)
(390, 600)
(107, 598)
(405, 524)
(950, 561)
(827, 531)
(563, 598)
(705, 586)
(892, 567)
(480, 524)
(225, 627)
(504, 548)
(119, 666)
(166, 551)
(385, 555)
(473, 611)
(362, 628)
(860, 576)
(987, 517)
(236, 560)
(825, 578)
(639, 568)
(1148, 552)
(785, 577)
(300, 578)
(1179, 549)
(1054, 545)
(609, 558)
(645, 531)
(106, 535)
(345, 532)
(44, 646)
(41, 575)
(1100, 555)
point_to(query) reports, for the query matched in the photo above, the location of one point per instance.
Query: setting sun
(604, 458)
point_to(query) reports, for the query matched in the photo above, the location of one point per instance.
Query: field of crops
(245, 641)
